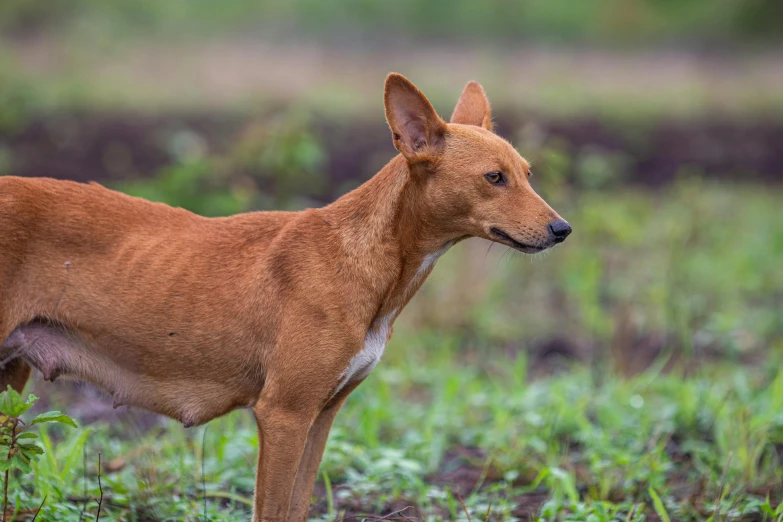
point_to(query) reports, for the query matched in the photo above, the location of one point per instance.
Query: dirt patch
(464, 470)
(105, 147)
(528, 505)
(115, 146)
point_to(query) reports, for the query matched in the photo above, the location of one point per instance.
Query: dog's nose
(560, 229)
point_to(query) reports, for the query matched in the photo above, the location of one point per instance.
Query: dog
(285, 313)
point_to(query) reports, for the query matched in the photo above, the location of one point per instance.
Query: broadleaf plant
(17, 449)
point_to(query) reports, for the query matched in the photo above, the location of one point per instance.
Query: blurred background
(655, 127)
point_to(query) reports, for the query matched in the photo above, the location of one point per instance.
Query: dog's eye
(496, 178)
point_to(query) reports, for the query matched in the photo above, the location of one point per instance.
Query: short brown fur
(281, 312)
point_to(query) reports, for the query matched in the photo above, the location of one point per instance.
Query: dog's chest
(377, 336)
(374, 344)
(426, 265)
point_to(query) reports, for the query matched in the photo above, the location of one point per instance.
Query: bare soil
(86, 146)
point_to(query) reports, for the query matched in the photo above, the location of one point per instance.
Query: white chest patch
(374, 343)
(427, 263)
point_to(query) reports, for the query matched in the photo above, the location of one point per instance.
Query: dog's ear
(473, 107)
(416, 128)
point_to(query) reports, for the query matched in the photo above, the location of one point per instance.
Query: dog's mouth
(522, 247)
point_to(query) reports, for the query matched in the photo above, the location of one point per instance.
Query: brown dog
(282, 312)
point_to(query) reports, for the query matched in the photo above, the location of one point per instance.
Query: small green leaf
(11, 403)
(5, 465)
(22, 462)
(54, 416)
(31, 448)
(659, 507)
(30, 457)
(26, 435)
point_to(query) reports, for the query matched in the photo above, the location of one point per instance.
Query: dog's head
(473, 182)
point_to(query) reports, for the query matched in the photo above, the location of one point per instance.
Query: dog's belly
(56, 352)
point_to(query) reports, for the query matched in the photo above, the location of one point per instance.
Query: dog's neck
(388, 231)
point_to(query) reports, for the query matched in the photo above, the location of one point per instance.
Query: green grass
(639, 22)
(555, 57)
(670, 302)
(704, 444)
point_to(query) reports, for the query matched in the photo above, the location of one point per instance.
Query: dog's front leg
(311, 459)
(282, 438)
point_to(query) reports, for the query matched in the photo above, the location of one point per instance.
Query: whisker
(508, 249)
(483, 264)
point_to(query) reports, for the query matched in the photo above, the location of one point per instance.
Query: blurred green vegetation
(558, 56)
(17, 100)
(494, 22)
(277, 164)
(564, 448)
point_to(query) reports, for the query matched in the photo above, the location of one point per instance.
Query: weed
(17, 438)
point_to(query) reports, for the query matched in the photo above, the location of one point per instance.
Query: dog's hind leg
(15, 372)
